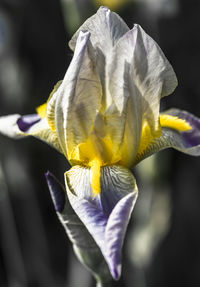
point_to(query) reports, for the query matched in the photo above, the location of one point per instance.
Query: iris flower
(105, 118)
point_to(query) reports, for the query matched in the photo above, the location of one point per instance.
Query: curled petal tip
(57, 191)
(116, 272)
(104, 8)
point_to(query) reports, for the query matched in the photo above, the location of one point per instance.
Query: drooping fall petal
(17, 126)
(174, 135)
(103, 222)
(84, 245)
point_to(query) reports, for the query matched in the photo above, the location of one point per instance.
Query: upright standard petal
(106, 29)
(180, 130)
(139, 75)
(100, 220)
(78, 100)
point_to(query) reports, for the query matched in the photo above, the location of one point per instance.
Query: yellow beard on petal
(95, 153)
(96, 176)
(166, 121)
(174, 122)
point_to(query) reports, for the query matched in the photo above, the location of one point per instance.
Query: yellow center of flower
(95, 153)
(100, 151)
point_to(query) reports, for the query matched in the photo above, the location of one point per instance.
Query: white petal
(138, 76)
(39, 129)
(84, 245)
(184, 141)
(106, 29)
(42, 131)
(137, 55)
(78, 98)
(9, 127)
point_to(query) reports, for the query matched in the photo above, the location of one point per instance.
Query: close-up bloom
(105, 118)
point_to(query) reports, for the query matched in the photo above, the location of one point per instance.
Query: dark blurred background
(163, 239)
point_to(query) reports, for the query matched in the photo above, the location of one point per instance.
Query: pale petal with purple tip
(17, 126)
(84, 245)
(185, 141)
(100, 221)
(26, 122)
(191, 138)
(9, 127)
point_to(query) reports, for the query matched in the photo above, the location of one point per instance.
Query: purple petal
(25, 122)
(84, 245)
(108, 232)
(92, 216)
(115, 232)
(57, 191)
(106, 216)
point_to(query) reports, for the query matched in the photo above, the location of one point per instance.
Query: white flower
(104, 117)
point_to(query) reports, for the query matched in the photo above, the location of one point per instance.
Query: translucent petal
(106, 29)
(139, 75)
(50, 113)
(42, 131)
(78, 99)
